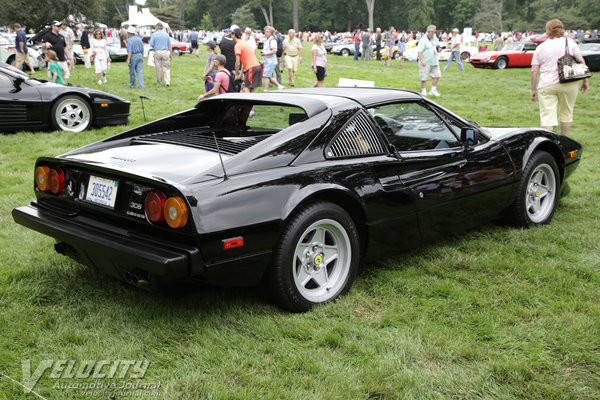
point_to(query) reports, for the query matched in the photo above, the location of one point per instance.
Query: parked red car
(516, 54)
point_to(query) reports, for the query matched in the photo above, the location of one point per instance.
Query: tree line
(318, 15)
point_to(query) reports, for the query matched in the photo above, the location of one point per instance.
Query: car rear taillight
(154, 205)
(41, 178)
(57, 180)
(176, 212)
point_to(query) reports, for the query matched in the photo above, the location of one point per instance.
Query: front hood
(487, 54)
(158, 160)
(496, 132)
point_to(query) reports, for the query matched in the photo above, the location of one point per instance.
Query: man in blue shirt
(135, 57)
(21, 43)
(161, 43)
(194, 40)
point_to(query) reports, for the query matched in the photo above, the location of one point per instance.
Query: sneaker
(424, 92)
(167, 85)
(251, 115)
(104, 79)
(99, 81)
(280, 87)
(434, 92)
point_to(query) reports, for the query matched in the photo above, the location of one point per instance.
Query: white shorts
(100, 66)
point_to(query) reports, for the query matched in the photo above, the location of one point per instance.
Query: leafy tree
(207, 23)
(35, 14)
(244, 17)
(420, 13)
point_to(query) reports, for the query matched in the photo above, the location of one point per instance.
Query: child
(211, 66)
(56, 71)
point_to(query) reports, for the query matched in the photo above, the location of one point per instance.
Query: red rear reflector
(57, 180)
(154, 205)
(233, 243)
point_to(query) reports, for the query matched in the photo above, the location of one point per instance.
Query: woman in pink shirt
(554, 97)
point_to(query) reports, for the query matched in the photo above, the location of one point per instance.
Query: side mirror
(468, 136)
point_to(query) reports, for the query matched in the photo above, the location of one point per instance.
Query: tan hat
(131, 30)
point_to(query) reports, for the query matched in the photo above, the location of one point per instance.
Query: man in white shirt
(455, 48)
(248, 38)
(69, 36)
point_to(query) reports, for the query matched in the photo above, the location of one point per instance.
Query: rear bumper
(119, 252)
(115, 253)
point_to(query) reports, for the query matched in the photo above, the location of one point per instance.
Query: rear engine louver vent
(203, 140)
(358, 138)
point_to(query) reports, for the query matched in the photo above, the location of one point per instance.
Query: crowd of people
(233, 65)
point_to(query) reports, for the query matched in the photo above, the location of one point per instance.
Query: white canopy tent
(143, 20)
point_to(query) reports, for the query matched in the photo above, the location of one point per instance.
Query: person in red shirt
(356, 44)
(246, 61)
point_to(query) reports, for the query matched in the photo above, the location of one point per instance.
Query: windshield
(589, 47)
(513, 47)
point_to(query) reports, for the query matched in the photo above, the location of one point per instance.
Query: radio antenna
(220, 157)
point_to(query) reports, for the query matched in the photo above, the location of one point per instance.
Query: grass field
(497, 313)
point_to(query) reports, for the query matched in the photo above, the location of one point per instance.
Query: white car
(8, 52)
(465, 53)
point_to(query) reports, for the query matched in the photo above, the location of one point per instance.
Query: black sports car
(290, 188)
(32, 104)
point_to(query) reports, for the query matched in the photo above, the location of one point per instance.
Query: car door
(19, 104)
(452, 186)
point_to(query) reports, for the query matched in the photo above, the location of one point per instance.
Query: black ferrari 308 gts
(291, 189)
(28, 104)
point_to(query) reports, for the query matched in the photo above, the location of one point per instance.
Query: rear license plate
(102, 191)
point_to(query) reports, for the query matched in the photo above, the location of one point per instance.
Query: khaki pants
(162, 61)
(558, 98)
(21, 58)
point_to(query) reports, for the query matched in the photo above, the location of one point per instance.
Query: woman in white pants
(100, 55)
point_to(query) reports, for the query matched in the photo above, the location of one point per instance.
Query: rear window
(261, 118)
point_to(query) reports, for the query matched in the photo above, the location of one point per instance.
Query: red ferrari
(516, 54)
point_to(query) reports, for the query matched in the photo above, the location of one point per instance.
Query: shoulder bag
(569, 69)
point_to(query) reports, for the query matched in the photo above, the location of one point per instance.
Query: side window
(411, 127)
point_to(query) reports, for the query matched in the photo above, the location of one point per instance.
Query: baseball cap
(211, 44)
(455, 30)
(56, 23)
(131, 30)
(237, 32)
(234, 27)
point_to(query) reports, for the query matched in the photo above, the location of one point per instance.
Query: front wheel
(464, 56)
(316, 259)
(501, 63)
(71, 113)
(176, 52)
(345, 52)
(538, 192)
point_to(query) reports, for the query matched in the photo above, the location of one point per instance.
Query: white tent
(143, 20)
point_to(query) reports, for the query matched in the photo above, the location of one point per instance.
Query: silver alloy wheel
(541, 193)
(73, 115)
(502, 63)
(322, 261)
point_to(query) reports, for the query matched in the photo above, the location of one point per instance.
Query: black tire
(501, 63)
(396, 55)
(176, 52)
(293, 281)
(465, 56)
(79, 119)
(345, 52)
(530, 195)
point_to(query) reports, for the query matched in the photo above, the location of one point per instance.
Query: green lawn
(497, 313)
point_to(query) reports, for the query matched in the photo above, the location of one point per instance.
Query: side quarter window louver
(357, 138)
